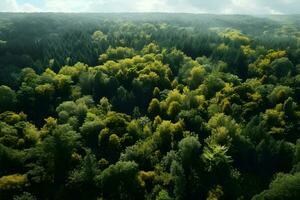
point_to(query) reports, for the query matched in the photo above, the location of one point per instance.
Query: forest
(149, 106)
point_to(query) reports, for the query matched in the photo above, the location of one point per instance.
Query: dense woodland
(149, 106)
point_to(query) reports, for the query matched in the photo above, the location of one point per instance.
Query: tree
(174, 58)
(120, 181)
(280, 94)
(163, 195)
(82, 181)
(54, 157)
(215, 158)
(86, 81)
(223, 129)
(90, 130)
(24, 196)
(104, 105)
(11, 184)
(215, 194)
(196, 77)
(151, 48)
(174, 109)
(186, 169)
(282, 67)
(12, 161)
(8, 99)
(99, 37)
(189, 151)
(72, 112)
(289, 107)
(116, 54)
(285, 186)
(167, 135)
(212, 84)
(154, 107)
(179, 181)
(123, 101)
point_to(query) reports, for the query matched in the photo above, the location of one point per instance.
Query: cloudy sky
(187, 6)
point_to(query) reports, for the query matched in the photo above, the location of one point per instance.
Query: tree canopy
(149, 106)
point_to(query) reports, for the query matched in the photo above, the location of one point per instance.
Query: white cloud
(27, 7)
(8, 6)
(167, 6)
(151, 5)
(250, 7)
(188, 6)
(13, 6)
(70, 5)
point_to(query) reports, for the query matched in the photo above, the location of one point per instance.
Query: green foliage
(196, 77)
(154, 107)
(12, 182)
(11, 160)
(168, 134)
(25, 196)
(82, 180)
(99, 36)
(189, 151)
(163, 195)
(215, 194)
(120, 181)
(116, 54)
(149, 106)
(179, 180)
(56, 159)
(215, 157)
(280, 94)
(285, 186)
(212, 84)
(8, 98)
(282, 67)
(104, 105)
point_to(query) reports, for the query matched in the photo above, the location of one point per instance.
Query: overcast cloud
(188, 6)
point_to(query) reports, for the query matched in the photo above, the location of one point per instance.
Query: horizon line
(147, 12)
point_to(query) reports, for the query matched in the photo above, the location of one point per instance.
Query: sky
(252, 7)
